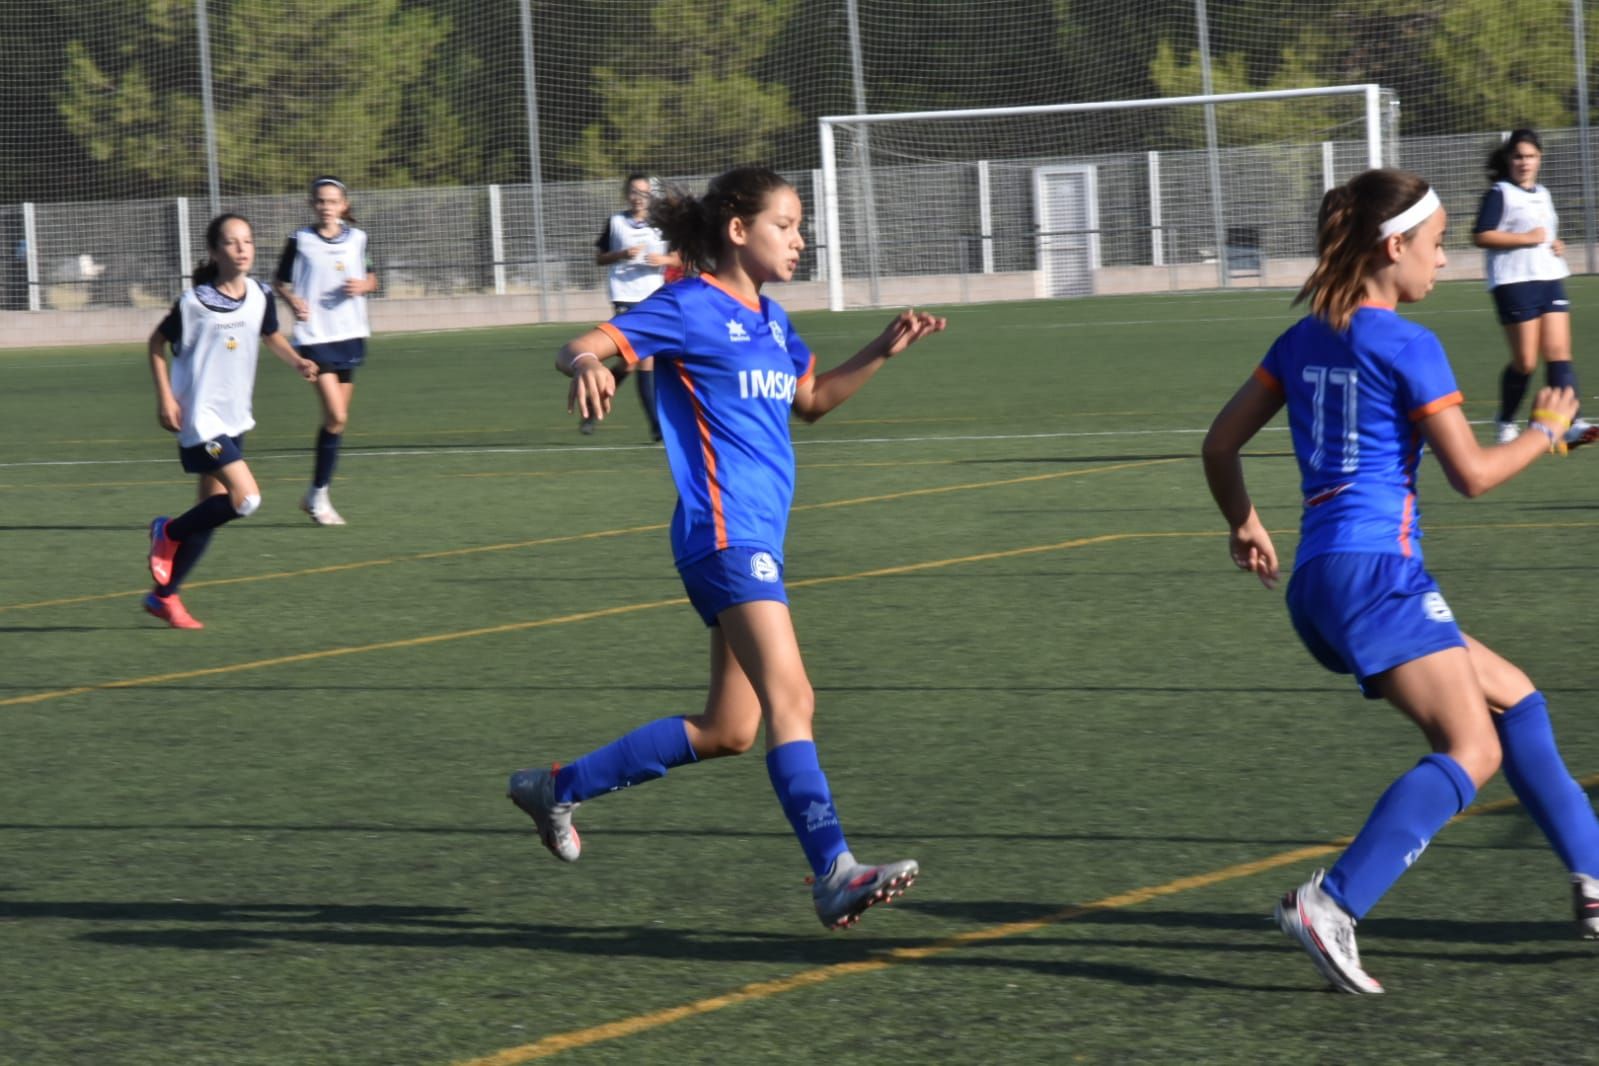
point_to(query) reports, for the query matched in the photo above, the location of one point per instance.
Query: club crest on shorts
(1436, 608)
(213, 448)
(763, 567)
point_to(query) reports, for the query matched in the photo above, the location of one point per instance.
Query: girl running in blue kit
(1366, 390)
(732, 370)
(215, 331)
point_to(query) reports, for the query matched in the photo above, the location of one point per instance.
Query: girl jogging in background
(640, 262)
(1517, 226)
(1366, 390)
(732, 370)
(325, 274)
(215, 330)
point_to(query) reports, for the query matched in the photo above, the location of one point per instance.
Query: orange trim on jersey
(1453, 399)
(623, 345)
(809, 370)
(1405, 521)
(1378, 305)
(716, 283)
(713, 488)
(1266, 378)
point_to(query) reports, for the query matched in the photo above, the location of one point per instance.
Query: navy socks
(203, 517)
(1512, 387)
(327, 457)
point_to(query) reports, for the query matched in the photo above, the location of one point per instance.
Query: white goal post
(878, 142)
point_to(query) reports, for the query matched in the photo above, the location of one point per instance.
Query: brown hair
(1348, 229)
(695, 227)
(208, 272)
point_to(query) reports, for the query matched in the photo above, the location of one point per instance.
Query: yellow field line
(656, 527)
(541, 623)
(557, 1043)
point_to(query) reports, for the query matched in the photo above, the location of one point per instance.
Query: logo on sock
(1414, 854)
(819, 815)
(763, 567)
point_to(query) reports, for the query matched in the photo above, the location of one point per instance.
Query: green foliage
(277, 118)
(697, 96)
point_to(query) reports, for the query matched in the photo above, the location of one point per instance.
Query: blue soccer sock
(1561, 374)
(189, 551)
(801, 788)
(1512, 387)
(646, 396)
(640, 756)
(327, 457)
(1399, 829)
(204, 516)
(1536, 773)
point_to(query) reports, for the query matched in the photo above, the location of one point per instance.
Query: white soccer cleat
(1505, 432)
(320, 508)
(1581, 432)
(533, 791)
(1585, 898)
(851, 887)
(1327, 933)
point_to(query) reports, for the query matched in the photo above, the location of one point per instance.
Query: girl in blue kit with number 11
(730, 370)
(1366, 392)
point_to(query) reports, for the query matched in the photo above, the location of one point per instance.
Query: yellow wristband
(1543, 414)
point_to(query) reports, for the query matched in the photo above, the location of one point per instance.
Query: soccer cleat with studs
(316, 504)
(1585, 901)
(162, 550)
(533, 791)
(170, 610)
(1327, 933)
(850, 888)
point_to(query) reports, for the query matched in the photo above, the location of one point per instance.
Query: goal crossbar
(835, 260)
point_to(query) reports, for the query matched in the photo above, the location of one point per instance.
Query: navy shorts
(336, 357)
(1363, 613)
(209, 456)
(1523, 301)
(733, 576)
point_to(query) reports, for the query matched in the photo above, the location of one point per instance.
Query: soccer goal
(1072, 199)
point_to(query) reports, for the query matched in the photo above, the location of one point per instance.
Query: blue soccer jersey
(725, 379)
(1354, 400)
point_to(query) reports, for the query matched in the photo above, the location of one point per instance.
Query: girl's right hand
(592, 387)
(169, 414)
(302, 309)
(1536, 236)
(1251, 549)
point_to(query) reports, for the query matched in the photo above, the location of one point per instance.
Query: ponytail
(208, 272)
(1348, 240)
(696, 227)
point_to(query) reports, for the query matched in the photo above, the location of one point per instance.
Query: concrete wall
(42, 329)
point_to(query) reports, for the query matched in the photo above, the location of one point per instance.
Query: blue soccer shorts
(1523, 301)
(1364, 613)
(733, 576)
(209, 456)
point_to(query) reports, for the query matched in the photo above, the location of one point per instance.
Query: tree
(696, 105)
(301, 86)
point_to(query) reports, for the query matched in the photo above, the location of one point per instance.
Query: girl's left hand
(307, 369)
(908, 327)
(357, 287)
(1558, 246)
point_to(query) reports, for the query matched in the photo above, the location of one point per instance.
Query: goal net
(1074, 199)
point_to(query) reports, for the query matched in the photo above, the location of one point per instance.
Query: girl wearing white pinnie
(326, 274)
(215, 331)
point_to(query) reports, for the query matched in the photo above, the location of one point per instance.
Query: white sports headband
(1410, 217)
